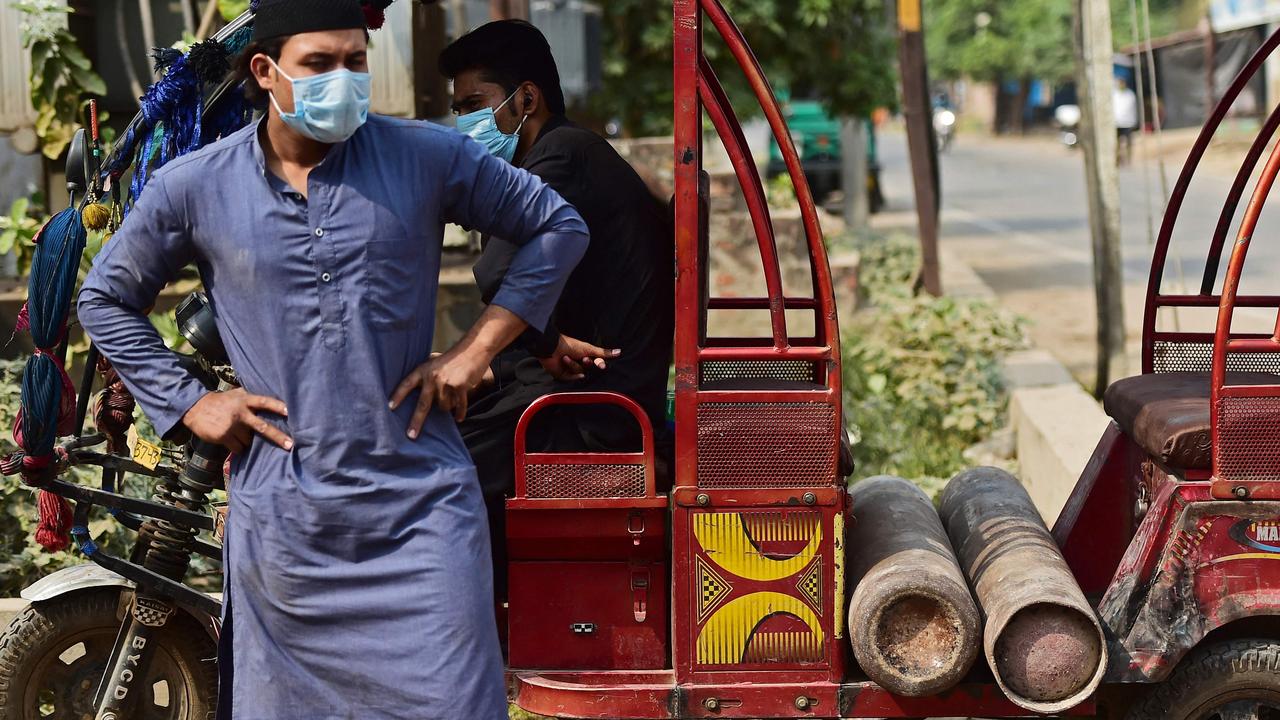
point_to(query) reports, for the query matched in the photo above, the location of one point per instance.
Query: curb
(10, 607)
(1056, 424)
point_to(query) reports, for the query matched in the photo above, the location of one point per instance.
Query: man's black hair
(270, 47)
(507, 53)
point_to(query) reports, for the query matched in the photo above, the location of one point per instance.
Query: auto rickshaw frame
(1170, 555)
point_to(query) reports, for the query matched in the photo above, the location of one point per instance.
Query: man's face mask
(328, 107)
(482, 126)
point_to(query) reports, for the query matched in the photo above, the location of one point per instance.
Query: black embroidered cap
(275, 18)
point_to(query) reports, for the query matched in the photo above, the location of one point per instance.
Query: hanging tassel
(209, 60)
(96, 216)
(53, 532)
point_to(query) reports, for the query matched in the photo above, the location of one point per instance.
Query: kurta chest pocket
(395, 281)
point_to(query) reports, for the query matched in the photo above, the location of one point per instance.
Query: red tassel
(373, 17)
(53, 532)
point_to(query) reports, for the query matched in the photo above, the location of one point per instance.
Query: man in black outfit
(506, 92)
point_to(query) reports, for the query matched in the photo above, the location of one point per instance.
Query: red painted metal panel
(537, 533)
(588, 615)
(759, 593)
(1096, 525)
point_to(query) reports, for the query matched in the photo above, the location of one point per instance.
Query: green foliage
(997, 40)
(1167, 16)
(994, 40)
(61, 73)
(19, 228)
(838, 50)
(231, 9)
(921, 374)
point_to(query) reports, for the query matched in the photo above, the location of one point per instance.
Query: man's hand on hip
(445, 380)
(231, 419)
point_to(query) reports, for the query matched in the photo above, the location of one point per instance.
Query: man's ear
(532, 98)
(260, 66)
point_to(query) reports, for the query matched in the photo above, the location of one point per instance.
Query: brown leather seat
(1167, 414)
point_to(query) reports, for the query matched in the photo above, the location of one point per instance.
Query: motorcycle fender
(69, 580)
(90, 576)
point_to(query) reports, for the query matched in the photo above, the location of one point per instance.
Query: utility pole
(509, 9)
(1093, 46)
(920, 140)
(853, 173)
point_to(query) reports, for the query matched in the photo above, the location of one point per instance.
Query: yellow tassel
(96, 216)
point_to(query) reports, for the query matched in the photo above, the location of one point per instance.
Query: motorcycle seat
(1168, 415)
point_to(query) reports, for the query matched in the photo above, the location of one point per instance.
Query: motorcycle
(944, 128)
(1067, 118)
(125, 637)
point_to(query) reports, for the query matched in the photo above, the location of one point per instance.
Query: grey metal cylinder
(1042, 638)
(912, 621)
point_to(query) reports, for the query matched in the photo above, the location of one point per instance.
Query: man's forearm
(496, 328)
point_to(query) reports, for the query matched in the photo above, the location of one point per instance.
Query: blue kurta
(357, 565)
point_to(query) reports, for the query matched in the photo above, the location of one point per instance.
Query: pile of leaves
(921, 374)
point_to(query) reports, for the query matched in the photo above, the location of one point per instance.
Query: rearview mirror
(77, 174)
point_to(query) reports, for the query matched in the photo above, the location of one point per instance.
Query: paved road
(1015, 209)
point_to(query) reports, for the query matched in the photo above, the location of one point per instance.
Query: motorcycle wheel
(54, 654)
(1235, 680)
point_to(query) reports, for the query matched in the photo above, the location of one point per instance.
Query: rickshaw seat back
(1168, 414)
(587, 551)
(1243, 439)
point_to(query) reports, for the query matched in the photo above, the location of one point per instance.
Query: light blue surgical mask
(482, 126)
(328, 107)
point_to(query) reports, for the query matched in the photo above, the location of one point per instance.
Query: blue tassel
(54, 270)
(41, 403)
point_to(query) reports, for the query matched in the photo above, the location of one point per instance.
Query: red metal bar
(1256, 345)
(1235, 267)
(822, 287)
(1262, 301)
(686, 51)
(737, 303)
(766, 353)
(1247, 167)
(645, 456)
(1176, 198)
(726, 123)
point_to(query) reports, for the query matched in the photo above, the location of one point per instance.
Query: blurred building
(117, 36)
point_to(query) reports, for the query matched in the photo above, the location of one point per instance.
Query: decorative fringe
(210, 61)
(96, 216)
(54, 528)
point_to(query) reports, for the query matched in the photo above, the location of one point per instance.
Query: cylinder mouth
(1048, 653)
(919, 637)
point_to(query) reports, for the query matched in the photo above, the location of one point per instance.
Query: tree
(999, 41)
(992, 40)
(837, 50)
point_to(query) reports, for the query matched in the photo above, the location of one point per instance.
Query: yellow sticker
(146, 454)
(909, 15)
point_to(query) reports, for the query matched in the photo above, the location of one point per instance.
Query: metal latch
(640, 593)
(583, 628)
(635, 526)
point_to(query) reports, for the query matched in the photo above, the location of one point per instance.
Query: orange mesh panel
(766, 445)
(584, 481)
(1248, 439)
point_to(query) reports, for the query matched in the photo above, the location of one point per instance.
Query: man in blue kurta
(357, 559)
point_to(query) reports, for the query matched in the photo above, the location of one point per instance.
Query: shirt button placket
(331, 301)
